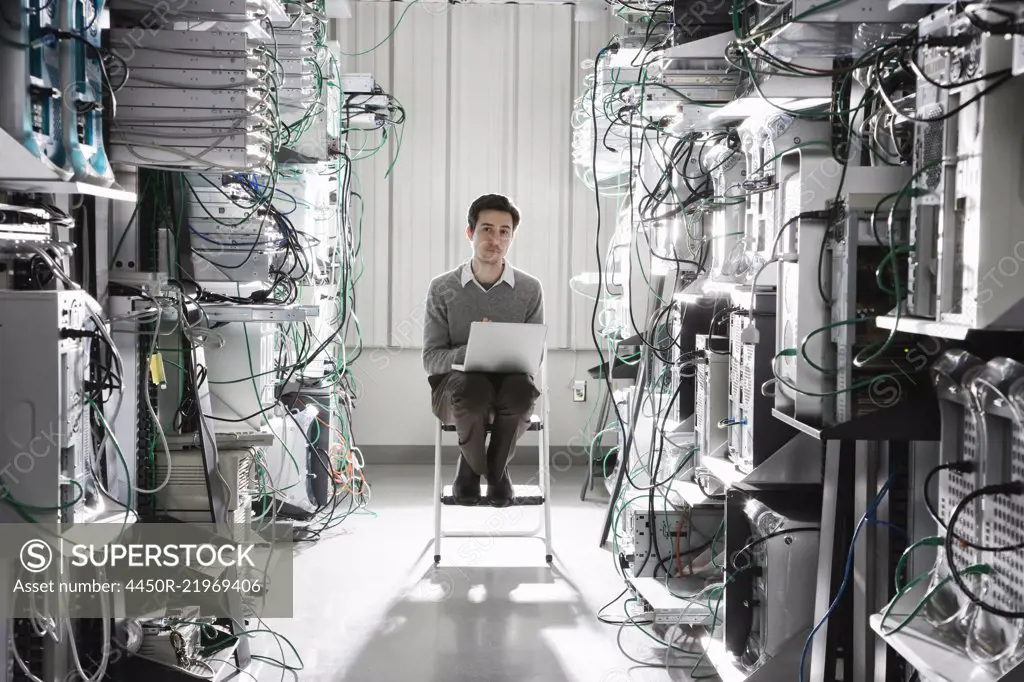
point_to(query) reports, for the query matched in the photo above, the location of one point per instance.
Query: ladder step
(523, 496)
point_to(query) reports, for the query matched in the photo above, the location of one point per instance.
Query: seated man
(483, 289)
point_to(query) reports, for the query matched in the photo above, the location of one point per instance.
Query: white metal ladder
(524, 494)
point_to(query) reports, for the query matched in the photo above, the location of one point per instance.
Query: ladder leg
(438, 489)
(545, 473)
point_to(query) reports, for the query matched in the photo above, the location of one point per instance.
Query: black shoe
(466, 487)
(500, 492)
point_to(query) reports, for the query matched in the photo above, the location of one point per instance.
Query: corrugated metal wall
(488, 91)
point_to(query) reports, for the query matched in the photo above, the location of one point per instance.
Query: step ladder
(524, 495)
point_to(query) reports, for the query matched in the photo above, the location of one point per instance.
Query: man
(485, 288)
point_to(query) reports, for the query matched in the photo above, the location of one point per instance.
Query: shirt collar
(507, 276)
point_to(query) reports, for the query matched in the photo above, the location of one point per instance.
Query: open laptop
(506, 347)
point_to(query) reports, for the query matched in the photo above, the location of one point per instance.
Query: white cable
(101, 671)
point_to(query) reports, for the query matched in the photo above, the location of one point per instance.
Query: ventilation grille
(747, 377)
(700, 406)
(929, 151)
(1003, 516)
(956, 485)
(738, 323)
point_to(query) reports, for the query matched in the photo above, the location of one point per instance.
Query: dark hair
(492, 202)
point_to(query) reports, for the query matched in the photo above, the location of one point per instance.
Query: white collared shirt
(507, 276)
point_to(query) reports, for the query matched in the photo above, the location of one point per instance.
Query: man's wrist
(460, 355)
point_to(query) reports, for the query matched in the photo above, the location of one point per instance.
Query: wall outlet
(579, 392)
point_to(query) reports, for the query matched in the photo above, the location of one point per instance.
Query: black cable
(597, 237)
(605, 620)
(654, 471)
(1014, 488)
(765, 538)
(967, 467)
(1004, 76)
(691, 551)
(704, 491)
(963, 467)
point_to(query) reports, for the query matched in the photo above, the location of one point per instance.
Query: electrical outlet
(579, 392)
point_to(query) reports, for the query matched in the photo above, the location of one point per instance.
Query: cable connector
(1011, 488)
(963, 467)
(816, 215)
(68, 333)
(961, 40)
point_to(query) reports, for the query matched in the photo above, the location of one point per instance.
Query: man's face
(493, 236)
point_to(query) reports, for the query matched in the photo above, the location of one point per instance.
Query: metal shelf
(783, 666)
(220, 663)
(916, 418)
(670, 609)
(221, 312)
(23, 172)
(943, 330)
(69, 187)
(937, 660)
(277, 13)
(923, 326)
(724, 470)
(690, 494)
(705, 289)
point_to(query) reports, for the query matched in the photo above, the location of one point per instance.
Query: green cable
(385, 38)
(976, 569)
(858, 360)
(259, 401)
(5, 496)
(120, 455)
(826, 327)
(930, 541)
(791, 352)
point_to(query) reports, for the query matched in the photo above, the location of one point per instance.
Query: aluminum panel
(419, 219)
(542, 157)
(372, 212)
(483, 116)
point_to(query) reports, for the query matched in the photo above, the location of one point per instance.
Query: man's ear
(469, 232)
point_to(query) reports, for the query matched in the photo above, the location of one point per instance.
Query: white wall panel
(419, 182)
(483, 82)
(542, 156)
(590, 37)
(370, 22)
(488, 91)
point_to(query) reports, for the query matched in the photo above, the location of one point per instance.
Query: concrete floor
(370, 606)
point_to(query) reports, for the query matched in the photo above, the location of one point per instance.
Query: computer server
(47, 440)
(754, 434)
(711, 421)
(967, 169)
(666, 543)
(772, 557)
(30, 72)
(84, 84)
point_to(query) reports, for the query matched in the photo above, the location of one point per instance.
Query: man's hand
(486, 319)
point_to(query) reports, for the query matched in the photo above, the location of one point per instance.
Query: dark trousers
(471, 400)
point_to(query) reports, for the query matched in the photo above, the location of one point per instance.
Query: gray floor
(370, 606)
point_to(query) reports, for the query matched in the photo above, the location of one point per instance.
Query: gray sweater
(452, 307)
